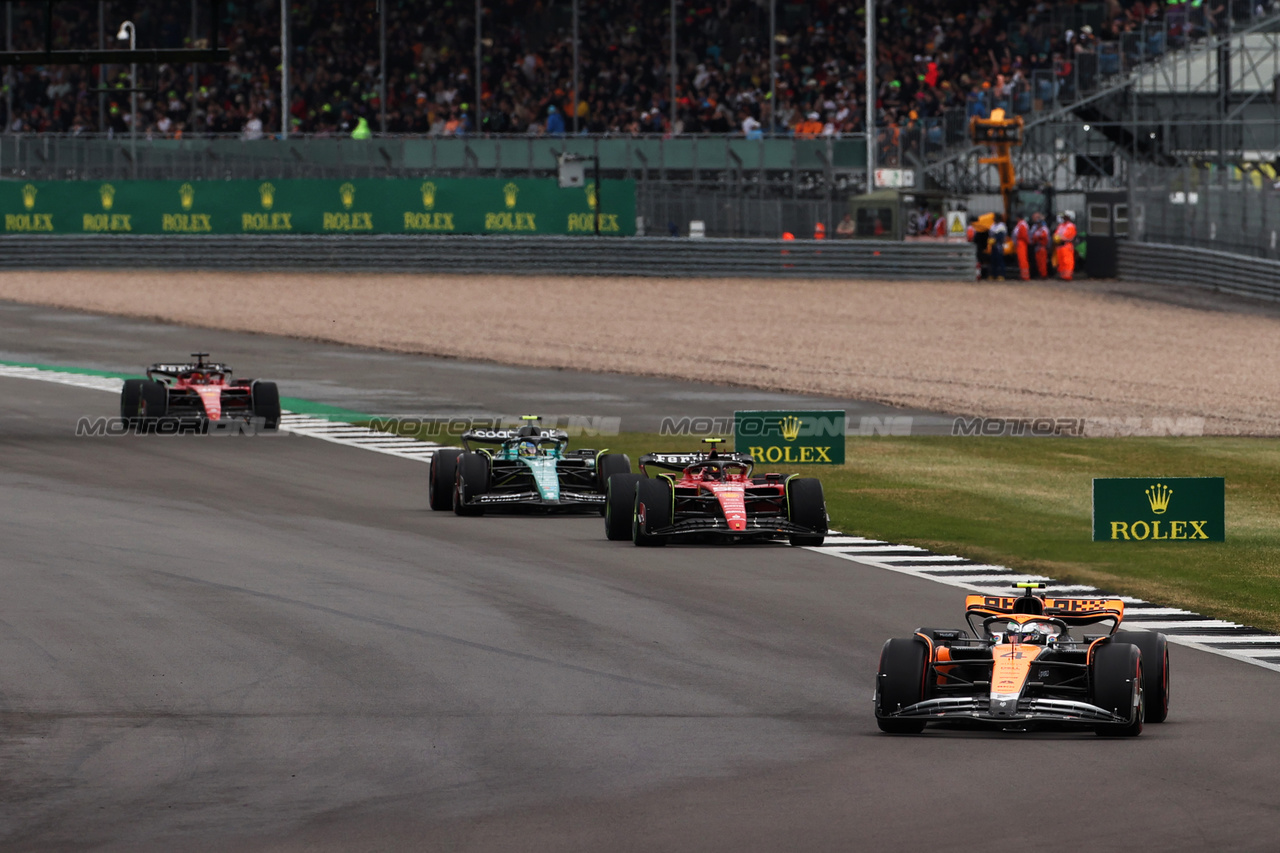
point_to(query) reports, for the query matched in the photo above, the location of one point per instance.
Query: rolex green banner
(387, 206)
(1151, 509)
(795, 437)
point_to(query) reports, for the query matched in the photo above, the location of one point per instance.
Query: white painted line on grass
(984, 577)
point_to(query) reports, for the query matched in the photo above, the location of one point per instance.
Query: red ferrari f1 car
(203, 391)
(712, 496)
(1023, 667)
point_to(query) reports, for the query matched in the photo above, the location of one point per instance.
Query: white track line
(1139, 614)
(337, 432)
(857, 549)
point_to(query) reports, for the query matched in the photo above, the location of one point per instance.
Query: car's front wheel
(1155, 670)
(652, 512)
(807, 508)
(472, 481)
(155, 400)
(620, 505)
(608, 465)
(900, 684)
(1115, 685)
(131, 401)
(442, 475)
(266, 403)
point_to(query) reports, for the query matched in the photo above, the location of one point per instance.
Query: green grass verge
(1026, 503)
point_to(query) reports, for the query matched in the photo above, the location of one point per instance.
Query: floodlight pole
(574, 105)
(8, 72)
(129, 31)
(475, 108)
(102, 66)
(871, 95)
(773, 67)
(382, 54)
(284, 69)
(672, 105)
(195, 71)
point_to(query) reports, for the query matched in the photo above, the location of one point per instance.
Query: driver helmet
(196, 378)
(1027, 632)
(528, 447)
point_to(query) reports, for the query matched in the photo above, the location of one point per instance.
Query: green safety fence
(375, 206)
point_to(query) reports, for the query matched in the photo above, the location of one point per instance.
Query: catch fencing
(1205, 269)
(635, 256)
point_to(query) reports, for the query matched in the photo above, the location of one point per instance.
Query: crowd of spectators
(951, 58)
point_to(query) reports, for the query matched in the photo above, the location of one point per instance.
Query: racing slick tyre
(471, 482)
(608, 465)
(807, 508)
(1115, 676)
(1155, 670)
(155, 401)
(620, 505)
(900, 683)
(441, 477)
(652, 511)
(131, 401)
(266, 403)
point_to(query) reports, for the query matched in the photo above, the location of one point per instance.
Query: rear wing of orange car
(1072, 611)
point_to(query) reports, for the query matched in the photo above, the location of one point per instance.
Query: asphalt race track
(270, 643)
(378, 382)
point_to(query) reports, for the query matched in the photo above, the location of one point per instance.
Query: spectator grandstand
(937, 64)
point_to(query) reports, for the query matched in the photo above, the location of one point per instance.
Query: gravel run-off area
(1008, 349)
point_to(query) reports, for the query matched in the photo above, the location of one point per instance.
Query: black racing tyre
(442, 475)
(652, 512)
(620, 505)
(1155, 670)
(1114, 675)
(472, 481)
(266, 403)
(131, 400)
(900, 683)
(155, 400)
(807, 508)
(606, 466)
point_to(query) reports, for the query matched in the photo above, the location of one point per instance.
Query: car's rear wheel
(442, 475)
(900, 683)
(131, 401)
(1115, 678)
(620, 505)
(1155, 670)
(652, 512)
(266, 403)
(471, 482)
(807, 508)
(155, 400)
(606, 466)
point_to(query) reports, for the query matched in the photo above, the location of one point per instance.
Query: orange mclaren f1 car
(1023, 667)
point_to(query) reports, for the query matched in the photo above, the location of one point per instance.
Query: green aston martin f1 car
(525, 467)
